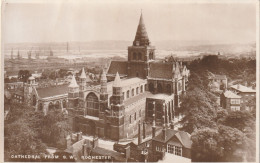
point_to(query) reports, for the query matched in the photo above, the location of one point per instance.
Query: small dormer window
(137, 43)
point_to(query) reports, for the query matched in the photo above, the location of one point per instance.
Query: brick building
(248, 96)
(230, 101)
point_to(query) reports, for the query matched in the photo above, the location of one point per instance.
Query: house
(248, 96)
(217, 82)
(230, 101)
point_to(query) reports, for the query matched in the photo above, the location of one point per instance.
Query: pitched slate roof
(230, 94)
(182, 136)
(161, 70)
(52, 91)
(118, 66)
(242, 88)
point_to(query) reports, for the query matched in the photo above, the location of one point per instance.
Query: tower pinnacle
(141, 37)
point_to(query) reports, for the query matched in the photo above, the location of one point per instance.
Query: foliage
(217, 135)
(55, 128)
(23, 75)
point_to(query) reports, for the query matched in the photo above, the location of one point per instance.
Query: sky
(64, 21)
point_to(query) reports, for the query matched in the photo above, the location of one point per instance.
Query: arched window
(130, 119)
(92, 104)
(142, 89)
(127, 94)
(134, 56)
(151, 87)
(137, 90)
(133, 92)
(135, 115)
(123, 95)
(159, 88)
(57, 105)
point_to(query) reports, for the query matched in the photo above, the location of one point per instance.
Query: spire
(73, 82)
(117, 81)
(83, 74)
(141, 37)
(103, 76)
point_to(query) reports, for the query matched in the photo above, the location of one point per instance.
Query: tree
(54, 129)
(205, 146)
(240, 120)
(23, 75)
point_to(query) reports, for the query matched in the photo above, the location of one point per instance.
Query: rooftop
(229, 94)
(161, 70)
(52, 91)
(118, 66)
(242, 88)
(182, 136)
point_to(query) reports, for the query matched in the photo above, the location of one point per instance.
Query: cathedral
(130, 92)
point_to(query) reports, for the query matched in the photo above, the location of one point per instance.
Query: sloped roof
(73, 82)
(118, 66)
(141, 34)
(230, 94)
(161, 70)
(182, 136)
(83, 74)
(242, 88)
(117, 81)
(52, 91)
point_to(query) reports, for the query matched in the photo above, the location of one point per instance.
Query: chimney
(164, 130)
(154, 125)
(139, 134)
(95, 142)
(144, 130)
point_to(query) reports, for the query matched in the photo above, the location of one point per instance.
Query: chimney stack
(164, 130)
(154, 125)
(144, 130)
(139, 134)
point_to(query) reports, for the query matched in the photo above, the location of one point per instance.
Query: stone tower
(73, 94)
(103, 92)
(28, 89)
(117, 110)
(140, 53)
(82, 88)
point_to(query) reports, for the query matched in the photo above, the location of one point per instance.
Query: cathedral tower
(117, 110)
(140, 53)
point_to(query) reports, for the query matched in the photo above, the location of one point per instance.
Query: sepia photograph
(130, 81)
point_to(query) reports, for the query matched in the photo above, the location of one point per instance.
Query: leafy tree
(23, 75)
(240, 120)
(205, 146)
